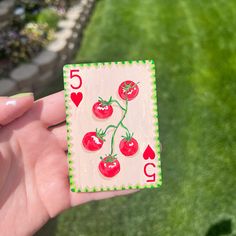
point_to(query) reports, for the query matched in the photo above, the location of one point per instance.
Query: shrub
(48, 16)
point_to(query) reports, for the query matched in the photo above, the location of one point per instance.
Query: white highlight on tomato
(96, 140)
(102, 108)
(107, 165)
(129, 91)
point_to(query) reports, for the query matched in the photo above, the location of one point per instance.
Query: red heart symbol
(149, 153)
(76, 98)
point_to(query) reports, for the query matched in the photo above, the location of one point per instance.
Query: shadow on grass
(49, 229)
(223, 227)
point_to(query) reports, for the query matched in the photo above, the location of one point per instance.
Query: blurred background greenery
(32, 26)
(193, 44)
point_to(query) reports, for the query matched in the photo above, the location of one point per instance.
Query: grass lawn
(194, 46)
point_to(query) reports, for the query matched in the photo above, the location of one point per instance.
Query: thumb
(13, 107)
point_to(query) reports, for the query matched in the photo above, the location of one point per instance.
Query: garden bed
(45, 63)
(29, 26)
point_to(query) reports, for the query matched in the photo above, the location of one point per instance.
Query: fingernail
(20, 95)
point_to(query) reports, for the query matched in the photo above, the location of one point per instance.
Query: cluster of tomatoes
(93, 141)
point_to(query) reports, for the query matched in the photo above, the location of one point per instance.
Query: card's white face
(112, 127)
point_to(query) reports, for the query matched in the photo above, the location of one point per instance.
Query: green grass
(193, 44)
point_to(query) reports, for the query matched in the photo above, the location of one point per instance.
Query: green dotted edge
(157, 144)
(69, 143)
(156, 122)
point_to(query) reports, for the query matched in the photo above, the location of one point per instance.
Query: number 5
(73, 75)
(152, 176)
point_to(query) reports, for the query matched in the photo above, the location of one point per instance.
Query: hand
(34, 182)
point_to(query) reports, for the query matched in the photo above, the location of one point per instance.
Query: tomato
(102, 111)
(128, 147)
(128, 90)
(109, 166)
(92, 141)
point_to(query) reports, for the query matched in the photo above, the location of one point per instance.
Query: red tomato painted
(92, 142)
(128, 90)
(109, 166)
(128, 147)
(102, 111)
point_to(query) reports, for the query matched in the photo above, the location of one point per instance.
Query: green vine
(102, 133)
(114, 133)
(108, 127)
(115, 101)
(123, 126)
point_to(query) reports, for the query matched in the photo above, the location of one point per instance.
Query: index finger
(50, 110)
(13, 107)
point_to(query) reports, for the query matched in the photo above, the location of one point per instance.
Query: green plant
(40, 33)
(48, 16)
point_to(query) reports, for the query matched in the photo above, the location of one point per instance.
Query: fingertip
(22, 95)
(51, 109)
(15, 106)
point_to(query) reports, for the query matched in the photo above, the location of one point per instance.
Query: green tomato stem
(123, 126)
(115, 101)
(108, 127)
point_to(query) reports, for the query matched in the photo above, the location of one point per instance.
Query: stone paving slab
(46, 60)
(8, 87)
(25, 75)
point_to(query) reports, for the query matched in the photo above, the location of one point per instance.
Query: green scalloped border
(155, 110)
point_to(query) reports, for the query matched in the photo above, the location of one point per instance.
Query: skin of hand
(34, 185)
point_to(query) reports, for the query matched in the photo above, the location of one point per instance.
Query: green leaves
(128, 136)
(100, 134)
(110, 158)
(104, 102)
(127, 87)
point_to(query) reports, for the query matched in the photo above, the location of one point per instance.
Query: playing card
(112, 126)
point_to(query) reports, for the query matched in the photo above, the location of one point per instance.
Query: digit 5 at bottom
(150, 171)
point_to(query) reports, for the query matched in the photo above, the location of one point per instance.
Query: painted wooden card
(112, 125)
